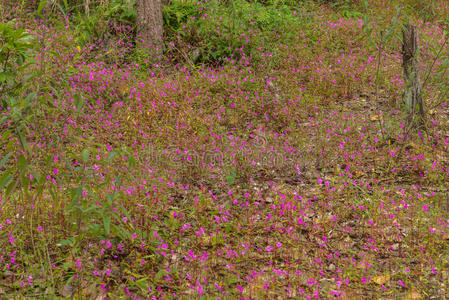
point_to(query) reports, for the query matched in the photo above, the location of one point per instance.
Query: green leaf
(131, 161)
(160, 274)
(118, 181)
(125, 212)
(142, 283)
(4, 76)
(21, 163)
(111, 198)
(5, 179)
(41, 6)
(76, 192)
(111, 156)
(5, 159)
(107, 224)
(85, 155)
(10, 188)
(20, 59)
(67, 242)
(79, 103)
(230, 178)
(23, 142)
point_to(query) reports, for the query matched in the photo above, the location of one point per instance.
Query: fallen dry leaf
(348, 295)
(67, 290)
(413, 294)
(382, 279)
(375, 117)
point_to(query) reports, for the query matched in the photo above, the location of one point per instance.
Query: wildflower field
(264, 154)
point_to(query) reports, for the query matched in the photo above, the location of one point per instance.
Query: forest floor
(298, 178)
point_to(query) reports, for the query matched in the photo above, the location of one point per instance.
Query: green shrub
(232, 31)
(122, 11)
(15, 47)
(15, 97)
(96, 25)
(178, 13)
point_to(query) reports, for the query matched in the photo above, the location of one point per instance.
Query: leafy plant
(90, 27)
(15, 48)
(16, 45)
(122, 11)
(425, 9)
(178, 13)
(233, 31)
(91, 215)
(382, 39)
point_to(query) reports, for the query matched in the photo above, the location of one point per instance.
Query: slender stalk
(379, 61)
(433, 64)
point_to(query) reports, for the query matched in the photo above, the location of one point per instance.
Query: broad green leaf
(10, 188)
(23, 142)
(161, 273)
(111, 198)
(41, 6)
(79, 103)
(5, 179)
(67, 242)
(107, 224)
(5, 159)
(230, 178)
(21, 163)
(142, 283)
(111, 156)
(85, 155)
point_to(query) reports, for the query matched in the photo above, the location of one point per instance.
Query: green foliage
(384, 38)
(90, 27)
(178, 13)
(15, 48)
(437, 75)
(92, 216)
(123, 11)
(199, 32)
(424, 9)
(95, 25)
(16, 45)
(290, 3)
(232, 31)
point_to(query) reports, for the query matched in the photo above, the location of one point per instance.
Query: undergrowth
(266, 155)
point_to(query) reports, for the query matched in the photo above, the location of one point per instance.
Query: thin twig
(434, 61)
(379, 53)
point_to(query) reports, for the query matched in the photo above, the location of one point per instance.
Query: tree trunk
(149, 23)
(412, 95)
(86, 7)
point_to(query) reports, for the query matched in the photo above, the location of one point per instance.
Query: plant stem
(433, 64)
